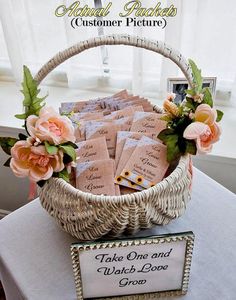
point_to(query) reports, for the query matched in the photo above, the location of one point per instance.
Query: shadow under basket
(90, 217)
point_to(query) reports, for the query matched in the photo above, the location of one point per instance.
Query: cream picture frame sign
(141, 267)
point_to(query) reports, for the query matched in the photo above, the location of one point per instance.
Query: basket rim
(160, 186)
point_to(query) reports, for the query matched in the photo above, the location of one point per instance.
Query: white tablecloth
(35, 260)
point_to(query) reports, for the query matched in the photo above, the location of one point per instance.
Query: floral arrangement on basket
(192, 126)
(48, 149)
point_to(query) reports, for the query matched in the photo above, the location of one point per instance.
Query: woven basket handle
(124, 39)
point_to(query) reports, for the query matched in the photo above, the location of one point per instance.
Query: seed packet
(114, 105)
(120, 95)
(117, 189)
(107, 129)
(77, 117)
(79, 130)
(146, 105)
(125, 123)
(147, 122)
(68, 107)
(94, 149)
(91, 108)
(148, 163)
(96, 177)
(108, 103)
(126, 112)
(121, 139)
(124, 190)
(128, 149)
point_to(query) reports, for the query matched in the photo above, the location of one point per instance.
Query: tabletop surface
(35, 261)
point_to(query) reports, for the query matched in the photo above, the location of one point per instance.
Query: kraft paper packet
(80, 126)
(148, 164)
(148, 122)
(92, 108)
(124, 190)
(96, 177)
(122, 93)
(68, 107)
(121, 138)
(78, 106)
(78, 120)
(107, 100)
(117, 187)
(108, 103)
(87, 116)
(80, 129)
(115, 104)
(90, 150)
(79, 132)
(128, 149)
(125, 123)
(146, 104)
(94, 104)
(107, 129)
(123, 113)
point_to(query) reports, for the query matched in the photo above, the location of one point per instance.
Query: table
(35, 260)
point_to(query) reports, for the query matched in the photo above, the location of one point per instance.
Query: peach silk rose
(205, 131)
(50, 126)
(34, 162)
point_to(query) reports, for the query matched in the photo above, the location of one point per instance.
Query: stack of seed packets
(118, 149)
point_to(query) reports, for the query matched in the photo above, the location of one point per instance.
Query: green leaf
(64, 175)
(173, 151)
(190, 105)
(51, 149)
(197, 76)
(207, 99)
(7, 143)
(69, 150)
(21, 116)
(32, 102)
(166, 118)
(190, 92)
(219, 115)
(170, 138)
(7, 163)
(164, 134)
(191, 147)
(70, 144)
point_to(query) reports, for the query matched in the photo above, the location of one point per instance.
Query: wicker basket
(89, 217)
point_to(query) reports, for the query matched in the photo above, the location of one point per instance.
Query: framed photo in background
(179, 85)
